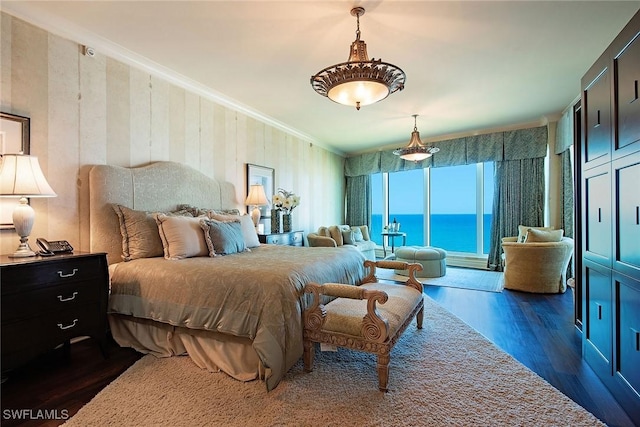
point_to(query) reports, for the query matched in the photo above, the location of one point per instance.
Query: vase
(286, 223)
(275, 221)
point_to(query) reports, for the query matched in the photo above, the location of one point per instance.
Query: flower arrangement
(285, 201)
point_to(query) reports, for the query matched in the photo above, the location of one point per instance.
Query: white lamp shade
(257, 196)
(21, 176)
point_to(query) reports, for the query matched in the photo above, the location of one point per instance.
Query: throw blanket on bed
(258, 295)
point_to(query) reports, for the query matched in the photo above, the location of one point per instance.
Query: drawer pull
(62, 327)
(71, 298)
(62, 275)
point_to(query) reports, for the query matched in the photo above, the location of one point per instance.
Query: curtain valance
(564, 132)
(510, 145)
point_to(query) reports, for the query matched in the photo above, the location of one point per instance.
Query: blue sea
(451, 232)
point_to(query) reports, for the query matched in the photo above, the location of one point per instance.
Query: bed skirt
(213, 351)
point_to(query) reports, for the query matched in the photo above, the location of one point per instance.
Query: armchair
(536, 266)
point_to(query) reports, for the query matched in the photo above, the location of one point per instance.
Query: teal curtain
(358, 200)
(519, 188)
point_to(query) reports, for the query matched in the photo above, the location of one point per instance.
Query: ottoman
(432, 259)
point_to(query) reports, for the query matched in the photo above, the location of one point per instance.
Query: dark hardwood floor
(535, 329)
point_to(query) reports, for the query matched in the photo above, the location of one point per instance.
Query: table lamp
(256, 198)
(21, 177)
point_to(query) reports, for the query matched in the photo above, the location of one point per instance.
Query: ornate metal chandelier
(359, 81)
(416, 150)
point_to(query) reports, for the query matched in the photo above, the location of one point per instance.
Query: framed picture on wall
(265, 176)
(14, 138)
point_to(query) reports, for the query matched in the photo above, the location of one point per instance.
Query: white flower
(285, 201)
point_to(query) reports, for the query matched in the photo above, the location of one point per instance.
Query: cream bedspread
(257, 295)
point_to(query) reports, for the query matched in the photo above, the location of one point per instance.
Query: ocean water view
(451, 232)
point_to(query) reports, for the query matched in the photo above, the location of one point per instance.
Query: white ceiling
(471, 66)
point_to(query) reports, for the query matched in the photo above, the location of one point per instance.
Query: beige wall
(98, 110)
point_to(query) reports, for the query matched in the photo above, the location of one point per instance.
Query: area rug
(446, 374)
(457, 277)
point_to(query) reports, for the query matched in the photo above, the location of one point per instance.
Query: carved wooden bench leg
(383, 371)
(309, 354)
(419, 317)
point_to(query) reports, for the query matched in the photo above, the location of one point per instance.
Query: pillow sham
(534, 235)
(139, 231)
(181, 236)
(223, 238)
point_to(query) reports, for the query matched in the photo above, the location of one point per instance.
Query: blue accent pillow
(223, 238)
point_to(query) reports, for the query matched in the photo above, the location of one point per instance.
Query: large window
(446, 207)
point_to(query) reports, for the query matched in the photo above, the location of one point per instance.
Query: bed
(238, 313)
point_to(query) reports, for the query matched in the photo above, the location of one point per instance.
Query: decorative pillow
(324, 231)
(249, 232)
(248, 229)
(181, 236)
(336, 234)
(356, 234)
(347, 237)
(365, 232)
(140, 236)
(223, 217)
(534, 235)
(223, 238)
(522, 231)
(196, 211)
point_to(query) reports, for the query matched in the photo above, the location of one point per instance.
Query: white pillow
(249, 232)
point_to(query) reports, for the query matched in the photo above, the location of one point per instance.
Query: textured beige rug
(457, 277)
(443, 375)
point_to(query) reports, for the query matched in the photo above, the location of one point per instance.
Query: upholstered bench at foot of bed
(370, 317)
(432, 259)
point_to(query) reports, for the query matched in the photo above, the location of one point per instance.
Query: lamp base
(23, 251)
(23, 218)
(255, 216)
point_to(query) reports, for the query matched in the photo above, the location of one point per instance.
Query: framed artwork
(265, 176)
(14, 138)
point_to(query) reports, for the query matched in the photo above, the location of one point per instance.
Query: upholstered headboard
(160, 186)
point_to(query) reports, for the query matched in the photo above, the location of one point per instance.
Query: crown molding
(63, 28)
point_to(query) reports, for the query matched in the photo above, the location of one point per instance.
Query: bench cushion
(345, 315)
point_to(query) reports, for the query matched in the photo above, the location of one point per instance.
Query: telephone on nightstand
(52, 248)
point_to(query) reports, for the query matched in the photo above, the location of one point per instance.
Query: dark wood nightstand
(48, 301)
(292, 238)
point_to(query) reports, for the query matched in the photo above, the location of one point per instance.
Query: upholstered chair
(536, 266)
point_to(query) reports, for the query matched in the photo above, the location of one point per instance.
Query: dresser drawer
(278, 239)
(25, 338)
(49, 299)
(293, 238)
(20, 278)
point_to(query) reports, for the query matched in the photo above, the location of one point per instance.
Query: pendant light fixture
(416, 151)
(359, 81)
